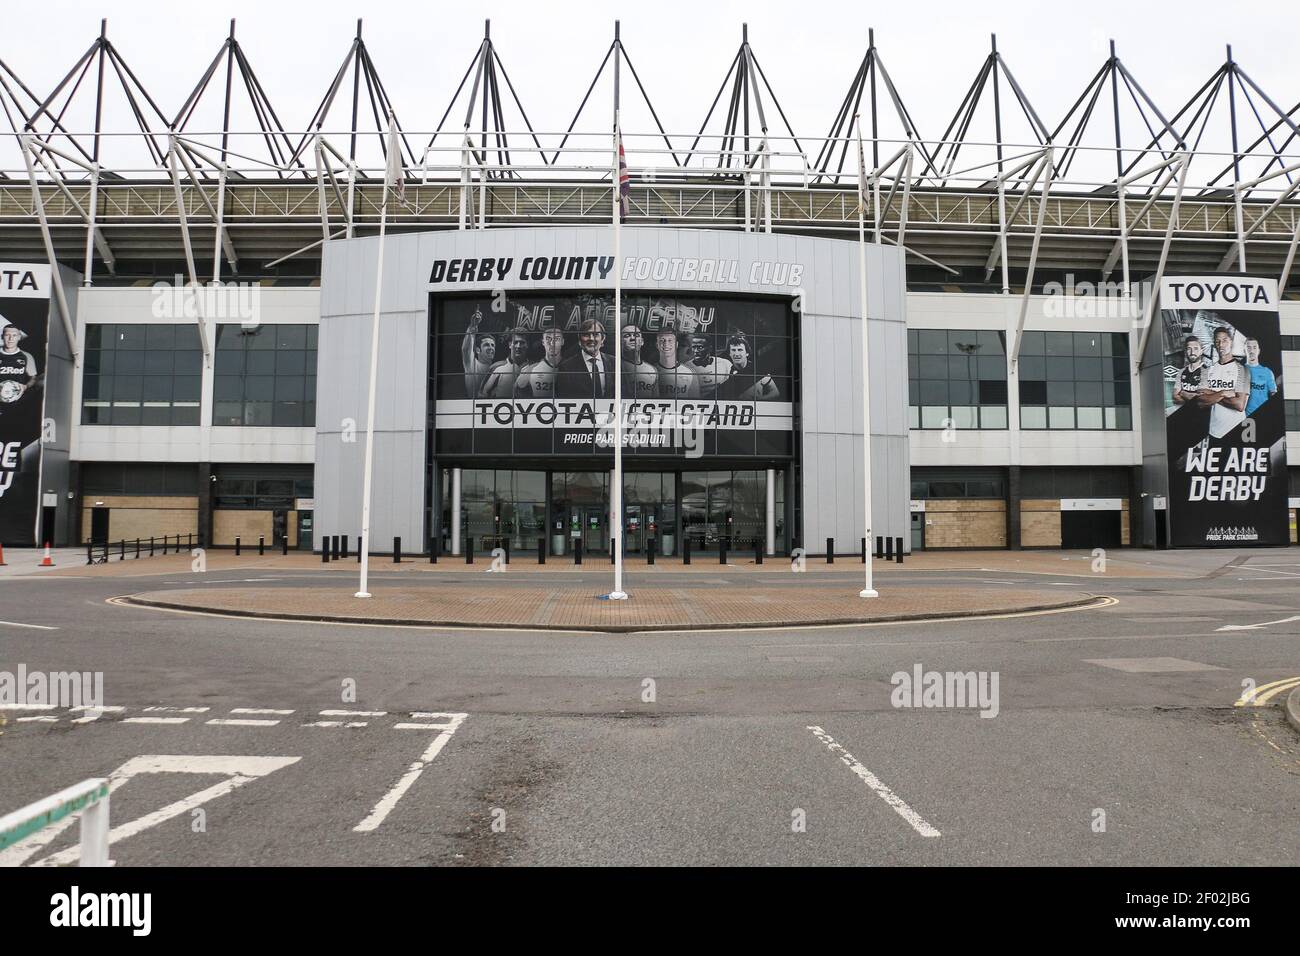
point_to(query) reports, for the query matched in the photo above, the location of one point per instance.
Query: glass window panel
(1033, 393)
(1060, 393)
(160, 337)
(311, 336)
(1033, 367)
(913, 417)
(1124, 418)
(1119, 344)
(289, 389)
(993, 393)
(260, 363)
(129, 362)
(1033, 343)
(259, 338)
(933, 393)
(1033, 416)
(228, 338)
(1110, 418)
(259, 414)
(156, 361)
(961, 392)
(1060, 343)
(1086, 393)
(913, 390)
(965, 416)
(287, 414)
(1087, 343)
(187, 337)
(129, 336)
(185, 414)
(992, 343)
(156, 414)
(1123, 393)
(993, 416)
(913, 366)
(1060, 369)
(932, 342)
(992, 366)
(97, 334)
(933, 366)
(290, 362)
(259, 387)
(157, 388)
(188, 362)
(227, 413)
(227, 388)
(290, 336)
(932, 416)
(1060, 417)
(94, 387)
(128, 388)
(960, 367)
(1089, 416)
(1087, 368)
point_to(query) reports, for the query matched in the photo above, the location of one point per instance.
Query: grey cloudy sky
(681, 49)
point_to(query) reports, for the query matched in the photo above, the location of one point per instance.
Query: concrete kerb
(1292, 708)
(1073, 603)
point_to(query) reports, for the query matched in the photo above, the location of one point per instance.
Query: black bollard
(137, 549)
(898, 550)
(397, 551)
(722, 550)
(613, 543)
(889, 549)
(236, 546)
(325, 550)
(880, 546)
(343, 546)
(864, 550)
(261, 545)
(758, 551)
(151, 546)
(90, 552)
(433, 550)
(830, 550)
(577, 551)
(121, 555)
(284, 546)
(541, 550)
(686, 551)
(189, 541)
(650, 551)
(338, 547)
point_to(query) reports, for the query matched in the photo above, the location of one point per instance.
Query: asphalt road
(758, 747)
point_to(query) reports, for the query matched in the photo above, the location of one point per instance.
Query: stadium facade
(1022, 375)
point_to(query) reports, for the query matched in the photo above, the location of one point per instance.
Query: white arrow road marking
(37, 627)
(390, 799)
(914, 819)
(238, 770)
(94, 713)
(1256, 627)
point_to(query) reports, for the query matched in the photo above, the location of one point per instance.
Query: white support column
(55, 279)
(455, 512)
(769, 546)
(220, 228)
(93, 204)
(94, 834)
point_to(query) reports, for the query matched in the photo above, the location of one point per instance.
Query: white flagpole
(868, 591)
(616, 490)
(374, 374)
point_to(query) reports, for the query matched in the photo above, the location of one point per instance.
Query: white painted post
(868, 589)
(94, 834)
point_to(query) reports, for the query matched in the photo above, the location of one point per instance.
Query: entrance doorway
(304, 530)
(918, 531)
(595, 530)
(99, 525)
(1090, 529)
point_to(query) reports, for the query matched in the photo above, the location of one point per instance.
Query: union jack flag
(624, 180)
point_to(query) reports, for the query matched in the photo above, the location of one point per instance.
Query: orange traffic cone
(45, 561)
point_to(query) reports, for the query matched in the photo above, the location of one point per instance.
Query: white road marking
(37, 627)
(914, 819)
(26, 706)
(354, 713)
(241, 722)
(389, 800)
(41, 718)
(337, 723)
(1256, 567)
(155, 720)
(260, 710)
(1255, 627)
(94, 713)
(167, 709)
(239, 770)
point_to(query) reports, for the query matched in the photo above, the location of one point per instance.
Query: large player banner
(1225, 423)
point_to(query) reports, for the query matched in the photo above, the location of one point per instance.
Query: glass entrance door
(595, 529)
(633, 529)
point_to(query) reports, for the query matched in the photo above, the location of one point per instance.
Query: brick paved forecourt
(652, 608)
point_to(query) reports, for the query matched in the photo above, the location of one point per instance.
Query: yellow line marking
(1262, 695)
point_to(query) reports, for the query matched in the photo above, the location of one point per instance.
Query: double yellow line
(1264, 693)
